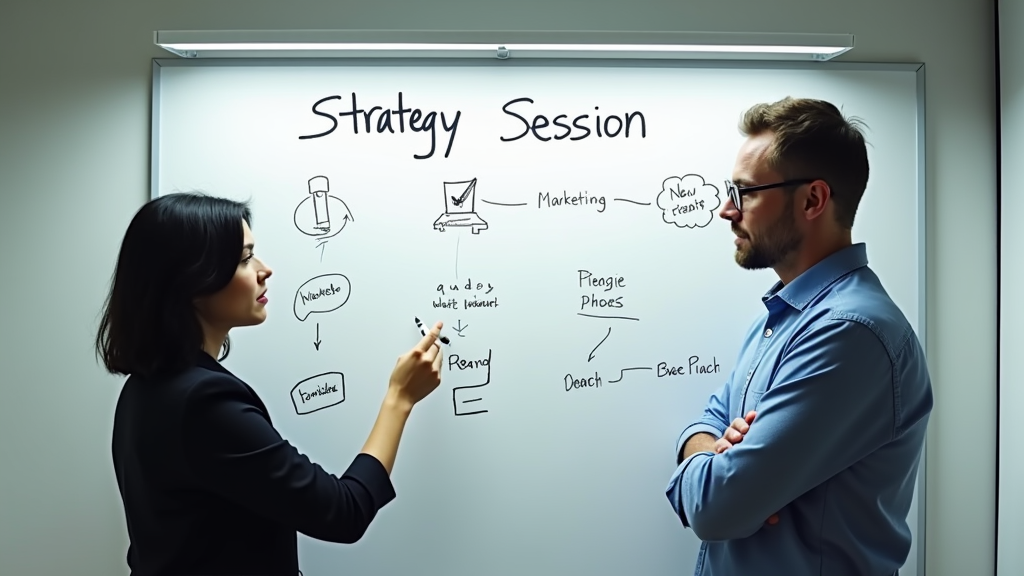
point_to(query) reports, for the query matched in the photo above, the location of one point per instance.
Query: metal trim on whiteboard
(154, 127)
(908, 66)
(922, 306)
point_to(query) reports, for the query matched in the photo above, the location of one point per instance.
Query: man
(804, 462)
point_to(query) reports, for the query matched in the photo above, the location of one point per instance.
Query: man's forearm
(699, 442)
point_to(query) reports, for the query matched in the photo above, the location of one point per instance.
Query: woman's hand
(417, 372)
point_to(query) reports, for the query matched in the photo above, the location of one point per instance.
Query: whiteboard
(586, 282)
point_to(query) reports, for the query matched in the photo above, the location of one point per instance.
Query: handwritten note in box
(319, 392)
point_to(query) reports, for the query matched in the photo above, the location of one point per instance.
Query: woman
(209, 486)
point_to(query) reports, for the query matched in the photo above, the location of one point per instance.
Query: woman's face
(243, 301)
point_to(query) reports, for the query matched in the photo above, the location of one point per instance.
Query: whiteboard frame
(922, 187)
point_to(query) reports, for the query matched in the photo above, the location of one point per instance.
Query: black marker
(423, 332)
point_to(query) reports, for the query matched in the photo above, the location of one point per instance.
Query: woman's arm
(233, 450)
(416, 374)
(387, 430)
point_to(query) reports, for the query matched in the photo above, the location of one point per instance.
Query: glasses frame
(736, 193)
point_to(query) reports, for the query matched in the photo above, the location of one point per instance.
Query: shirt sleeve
(831, 402)
(714, 420)
(235, 451)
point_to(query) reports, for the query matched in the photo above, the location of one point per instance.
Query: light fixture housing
(501, 44)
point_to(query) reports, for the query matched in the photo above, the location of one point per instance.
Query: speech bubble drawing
(689, 201)
(318, 392)
(321, 294)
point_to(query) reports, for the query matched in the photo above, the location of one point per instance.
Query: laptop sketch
(460, 207)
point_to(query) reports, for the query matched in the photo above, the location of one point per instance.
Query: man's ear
(816, 199)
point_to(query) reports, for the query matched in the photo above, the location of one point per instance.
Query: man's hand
(734, 435)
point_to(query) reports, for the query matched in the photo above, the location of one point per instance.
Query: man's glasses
(736, 193)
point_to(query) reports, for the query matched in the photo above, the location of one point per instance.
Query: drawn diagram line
(631, 201)
(501, 204)
(591, 357)
(607, 317)
(622, 372)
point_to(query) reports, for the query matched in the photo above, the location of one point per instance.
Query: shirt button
(767, 332)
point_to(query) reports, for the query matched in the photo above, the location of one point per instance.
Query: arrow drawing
(599, 344)
(460, 328)
(316, 342)
(622, 373)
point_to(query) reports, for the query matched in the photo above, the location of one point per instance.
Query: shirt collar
(805, 287)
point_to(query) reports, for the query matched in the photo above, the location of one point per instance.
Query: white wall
(1010, 525)
(74, 139)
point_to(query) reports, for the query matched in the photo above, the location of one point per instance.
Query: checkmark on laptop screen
(462, 198)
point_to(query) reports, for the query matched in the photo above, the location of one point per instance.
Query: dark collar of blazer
(207, 362)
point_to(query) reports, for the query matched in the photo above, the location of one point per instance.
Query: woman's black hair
(176, 248)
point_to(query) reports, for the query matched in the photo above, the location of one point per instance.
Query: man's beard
(772, 245)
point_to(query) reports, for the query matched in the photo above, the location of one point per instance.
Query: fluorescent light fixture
(500, 44)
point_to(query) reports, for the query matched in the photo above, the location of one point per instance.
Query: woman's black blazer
(210, 488)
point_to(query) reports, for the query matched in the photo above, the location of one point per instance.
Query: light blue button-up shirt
(841, 388)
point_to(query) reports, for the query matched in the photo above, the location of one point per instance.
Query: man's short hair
(814, 140)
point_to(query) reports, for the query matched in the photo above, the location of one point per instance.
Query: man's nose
(729, 211)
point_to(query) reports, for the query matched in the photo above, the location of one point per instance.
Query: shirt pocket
(751, 401)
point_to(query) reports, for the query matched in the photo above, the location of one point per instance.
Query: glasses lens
(734, 194)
